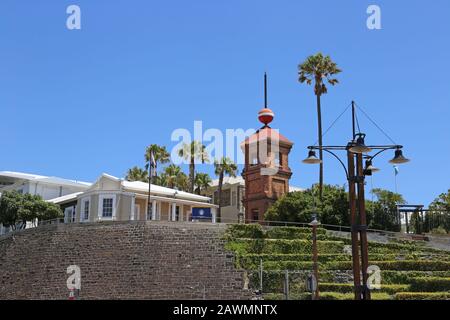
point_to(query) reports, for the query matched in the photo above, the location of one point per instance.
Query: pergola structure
(407, 209)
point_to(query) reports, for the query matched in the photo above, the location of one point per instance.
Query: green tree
(202, 182)
(382, 213)
(224, 166)
(160, 154)
(299, 206)
(137, 174)
(439, 214)
(193, 152)
(319, 69)
(175, 177)
(16, 209)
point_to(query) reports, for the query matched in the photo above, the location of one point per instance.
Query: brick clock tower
(266, 171)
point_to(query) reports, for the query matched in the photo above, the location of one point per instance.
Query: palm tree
(136, 174)
(161, 180)
(159, 152)
(192, 152)
(202, 182)
(175, 177)
(223, 166)
(318, 68)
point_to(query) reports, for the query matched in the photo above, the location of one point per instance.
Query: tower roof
(267, 133)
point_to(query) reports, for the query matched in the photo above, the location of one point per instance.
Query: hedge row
(416, 265)
(422, 296)
(324, 296)
(252, 260)
(426, 284)
(351, 296)
(405, 277)
(255, 231)
(291, 232)
(348, 288)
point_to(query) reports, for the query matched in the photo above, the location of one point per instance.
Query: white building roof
(66, 198)
(13, 176)
(239, 180)
(143, 187)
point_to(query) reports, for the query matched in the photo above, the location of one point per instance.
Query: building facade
(114, 199)
(44, 186)
(266, 171)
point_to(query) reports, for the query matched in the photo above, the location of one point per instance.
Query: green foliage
(382, 214)
(405, 266)
(405, 277)
(420, 265)
(254, 231)
(422, 296)
(202, 182)
(137, 174)
(351, 296)
(430, 284)
(439, 230)
(348, 287)
(439, 214)
(318, 68)
(283, 246)
(291, 232)
(18, 208)
(299, 206)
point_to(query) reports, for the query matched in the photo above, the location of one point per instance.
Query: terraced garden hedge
(409, 271)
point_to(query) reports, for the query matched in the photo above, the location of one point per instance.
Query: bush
(293, 296)
(425, 284)
(351, 296)
(253, 231)
(348, 288)
(291, 232)
(414, 265)
(288, 265)
(439, 231)
(405, 277)
(422, 296)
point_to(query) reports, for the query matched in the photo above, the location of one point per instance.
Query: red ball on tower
(265, 115)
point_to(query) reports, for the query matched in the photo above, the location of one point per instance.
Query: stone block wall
(121, 260)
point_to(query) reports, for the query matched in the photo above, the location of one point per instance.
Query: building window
(69, 214)
(255, 215)
(106, 206)
(233, 198)
(85, 210)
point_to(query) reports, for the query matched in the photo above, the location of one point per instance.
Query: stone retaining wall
(120, 260)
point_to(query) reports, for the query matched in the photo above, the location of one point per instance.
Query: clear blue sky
(81, 102)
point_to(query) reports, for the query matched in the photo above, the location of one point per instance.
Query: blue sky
(76, 103)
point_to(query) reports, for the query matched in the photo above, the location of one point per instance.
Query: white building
(114, 199)
(46, 187)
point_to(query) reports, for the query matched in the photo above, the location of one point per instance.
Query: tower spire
(265, 115)
(265, 90)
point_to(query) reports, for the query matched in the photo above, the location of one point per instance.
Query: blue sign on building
(201, 213)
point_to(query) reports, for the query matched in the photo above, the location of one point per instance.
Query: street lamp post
(355, 174)
(314, 224)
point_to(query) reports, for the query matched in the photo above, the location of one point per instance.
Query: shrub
(291, 232)
(253, 231)
(430, 284)
(439, 231)
(405, 277)
(288, 265)
(422, 296)
(417, 265)
(351, 296)
(348, 288)
(301, 246)
(293, 296)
